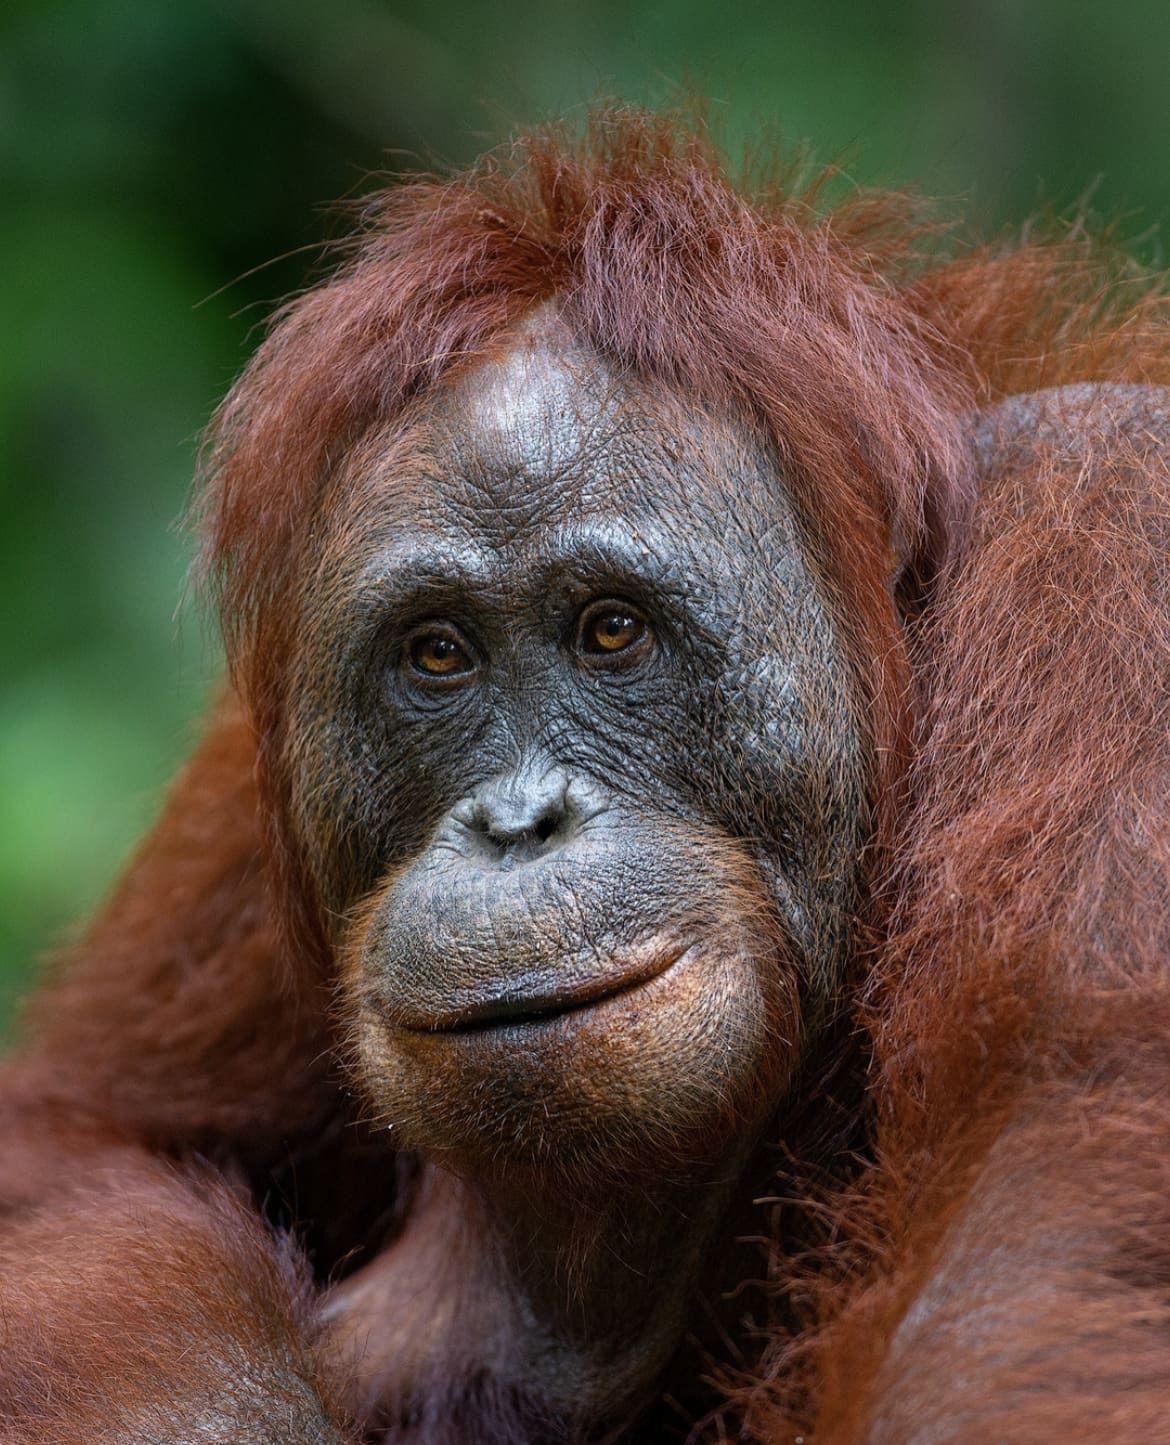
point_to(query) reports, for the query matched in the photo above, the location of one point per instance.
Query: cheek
(358, 806)
(787, 773)
(369, 786)
(796, 765)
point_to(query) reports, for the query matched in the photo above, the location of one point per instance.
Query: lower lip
(503, 1012)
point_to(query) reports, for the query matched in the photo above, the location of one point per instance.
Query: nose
(522, 815)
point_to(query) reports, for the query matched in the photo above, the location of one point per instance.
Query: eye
(610, 629)
(439, 654)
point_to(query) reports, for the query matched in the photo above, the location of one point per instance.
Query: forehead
(546, 434)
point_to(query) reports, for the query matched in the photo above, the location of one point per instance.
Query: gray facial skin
(580, 789)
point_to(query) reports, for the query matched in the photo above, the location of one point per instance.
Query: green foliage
(152, 154)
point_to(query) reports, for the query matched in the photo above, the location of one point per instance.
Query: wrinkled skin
(577, 628)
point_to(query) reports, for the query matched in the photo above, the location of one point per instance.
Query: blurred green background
(157, 155)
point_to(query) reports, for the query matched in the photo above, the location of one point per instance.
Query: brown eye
(439, 655)
(610, 628)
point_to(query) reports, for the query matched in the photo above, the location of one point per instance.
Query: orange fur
(1000, 1271)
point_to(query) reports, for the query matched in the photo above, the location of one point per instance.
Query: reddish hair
(853, 347)
(1017, 1011)
(856, 344)
(653, 257)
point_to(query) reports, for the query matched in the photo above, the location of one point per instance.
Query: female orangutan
(698, 737)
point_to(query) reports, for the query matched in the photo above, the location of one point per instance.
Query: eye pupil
(615, 631)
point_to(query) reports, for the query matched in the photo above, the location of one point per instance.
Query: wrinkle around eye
(409, 584)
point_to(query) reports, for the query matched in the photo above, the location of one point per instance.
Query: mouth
(535, 1005)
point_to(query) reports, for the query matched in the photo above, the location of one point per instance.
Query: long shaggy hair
(1000, 1267)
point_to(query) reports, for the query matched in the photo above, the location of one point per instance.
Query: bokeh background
(166, 171)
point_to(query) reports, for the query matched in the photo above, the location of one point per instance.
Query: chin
(666, 1071)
